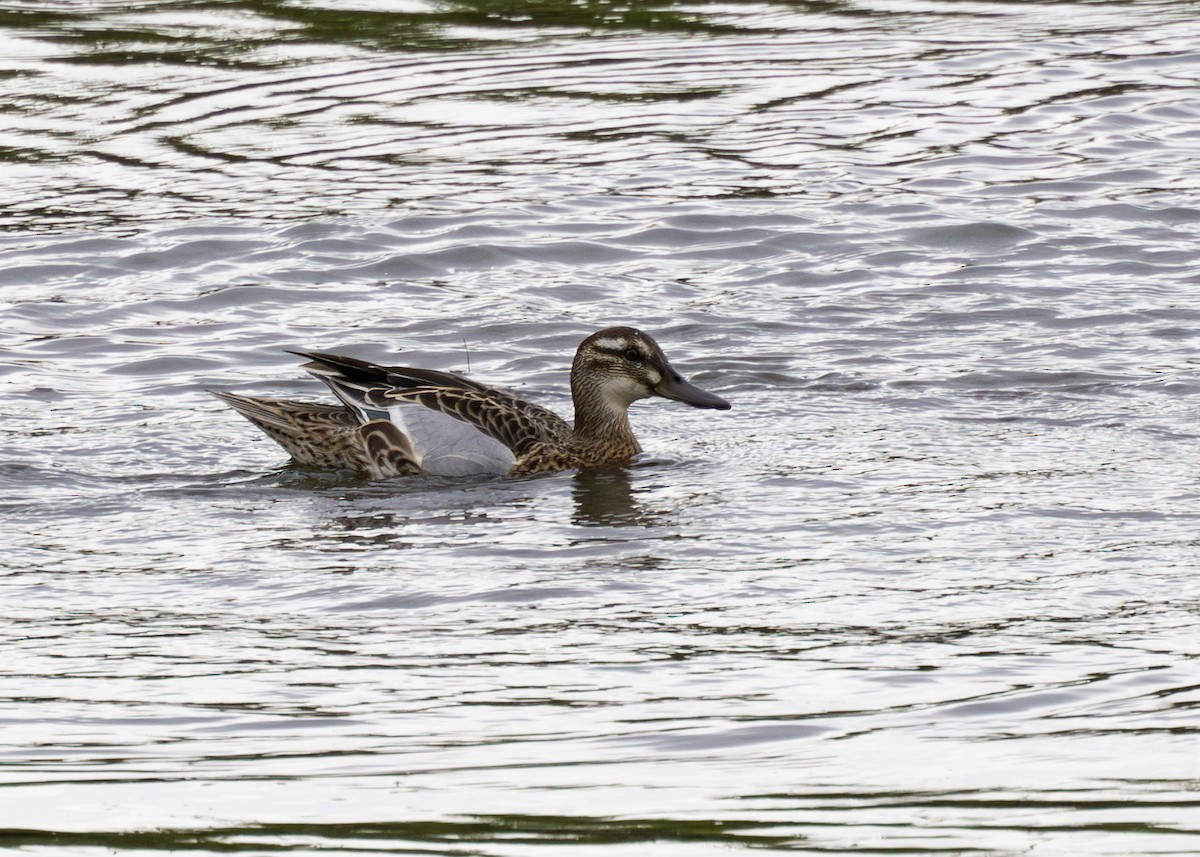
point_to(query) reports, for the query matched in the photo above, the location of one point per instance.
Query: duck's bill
(675, 387)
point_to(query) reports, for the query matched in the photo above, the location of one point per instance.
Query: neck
(597, 419)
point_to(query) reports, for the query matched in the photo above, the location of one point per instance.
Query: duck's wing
(501, 416)
(445, 446)
(389, 450)
(458, 426)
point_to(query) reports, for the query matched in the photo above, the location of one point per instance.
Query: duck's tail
(320, 436)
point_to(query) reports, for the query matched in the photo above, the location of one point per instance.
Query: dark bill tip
(675, 387)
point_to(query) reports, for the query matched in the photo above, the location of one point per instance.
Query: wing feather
(374, 391)
(389, 450)
(501, 416)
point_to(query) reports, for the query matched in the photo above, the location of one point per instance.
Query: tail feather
(285, 414)
(316, 435)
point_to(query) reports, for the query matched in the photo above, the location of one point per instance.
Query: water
(929, 586)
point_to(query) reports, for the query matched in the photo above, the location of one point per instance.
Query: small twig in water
(468, 352)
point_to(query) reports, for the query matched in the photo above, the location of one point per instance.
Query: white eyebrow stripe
(612, 344)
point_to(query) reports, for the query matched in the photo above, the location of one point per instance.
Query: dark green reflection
(605, 498)
(441, 27)
(398, 837)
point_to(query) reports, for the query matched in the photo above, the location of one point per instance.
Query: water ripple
(928, 586)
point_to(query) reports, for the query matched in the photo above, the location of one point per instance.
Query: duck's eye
(633, 355)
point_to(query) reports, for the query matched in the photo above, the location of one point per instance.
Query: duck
(405, 421)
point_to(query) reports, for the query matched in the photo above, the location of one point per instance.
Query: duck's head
(619, 365)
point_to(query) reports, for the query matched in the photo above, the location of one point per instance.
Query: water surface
(928, 587)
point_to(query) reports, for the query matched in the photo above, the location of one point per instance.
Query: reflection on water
(189, 33)
(605, 498)
(929, 588)
(400, 837)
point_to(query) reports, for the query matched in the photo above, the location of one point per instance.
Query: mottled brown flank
(551, 458)
(604, 381)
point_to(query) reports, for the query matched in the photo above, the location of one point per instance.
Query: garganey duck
(397, 420)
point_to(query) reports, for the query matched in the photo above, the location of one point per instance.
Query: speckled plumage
(369, 432)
